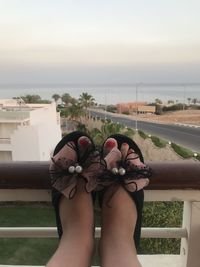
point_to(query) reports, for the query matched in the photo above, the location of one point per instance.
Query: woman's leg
(118, 224)
(76, 244)
(119, 217)
(76, 214)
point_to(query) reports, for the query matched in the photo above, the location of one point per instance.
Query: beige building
(28, 132)
(131, 107)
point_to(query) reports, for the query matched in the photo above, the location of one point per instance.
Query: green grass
(37, 251)
(39, 214)
(182, 151)
(161, 214)
(158, 142)
(26, 250)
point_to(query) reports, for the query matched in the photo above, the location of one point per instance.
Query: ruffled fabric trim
(65, 175)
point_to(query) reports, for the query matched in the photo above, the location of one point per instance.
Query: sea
(107, 94)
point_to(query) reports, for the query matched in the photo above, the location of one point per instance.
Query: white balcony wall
(25, 144)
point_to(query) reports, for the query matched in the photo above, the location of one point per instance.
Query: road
(182, 135)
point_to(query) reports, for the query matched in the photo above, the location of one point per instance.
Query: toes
(66, 152)
(137, 185)
(133, 158)
(83, 144)
(109, 145)
(124, 150)
(84, 141)
(112, 158)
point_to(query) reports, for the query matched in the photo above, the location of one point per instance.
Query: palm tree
(170, 102)
(86, 101)
(75, 111)
(108, 128)
(158, 101)
(189, 100)
(66, 98)
(31, 98)
(194, 101)
(56, 97)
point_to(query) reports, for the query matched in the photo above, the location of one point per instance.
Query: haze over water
(109, 94)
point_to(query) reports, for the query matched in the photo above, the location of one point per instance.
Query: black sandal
(65, 173)
(127, 176)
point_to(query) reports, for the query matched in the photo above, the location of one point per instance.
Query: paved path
(182, 135)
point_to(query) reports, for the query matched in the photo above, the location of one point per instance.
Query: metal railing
(170, 181)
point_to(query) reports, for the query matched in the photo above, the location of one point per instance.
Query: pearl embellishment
(78, 169)
(115, 171)
(71, 169)
(122, 171)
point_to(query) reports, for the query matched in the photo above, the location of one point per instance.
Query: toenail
(124, 144)
(110, 143)
(83, 141)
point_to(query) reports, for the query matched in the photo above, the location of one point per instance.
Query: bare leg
(76, 245)
(118, 223)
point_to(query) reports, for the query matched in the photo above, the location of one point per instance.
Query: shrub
(159, 109)
(175, 107)
(126, 112)
(183, 152)
(142, 134)
(111, 108)
(158, 142)
(198, 157)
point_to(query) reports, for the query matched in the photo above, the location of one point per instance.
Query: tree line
(69, 107)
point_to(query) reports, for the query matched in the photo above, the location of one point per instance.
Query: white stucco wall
(6, 129)
(49, 131)
(49, 136)
(35, 141)
(25, 144)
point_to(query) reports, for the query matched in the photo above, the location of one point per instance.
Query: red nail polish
(83, 141)
(110, 143)
(124, 144)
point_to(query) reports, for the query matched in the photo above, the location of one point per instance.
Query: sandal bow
(65, 171)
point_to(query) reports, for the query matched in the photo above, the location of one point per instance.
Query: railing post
(190, 246)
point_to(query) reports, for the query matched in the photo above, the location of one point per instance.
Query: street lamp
(136, 100)
(105, 104)
(184, 90)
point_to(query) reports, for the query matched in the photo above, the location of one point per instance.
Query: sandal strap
(130, 158)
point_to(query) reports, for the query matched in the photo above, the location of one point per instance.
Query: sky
(99, 42)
